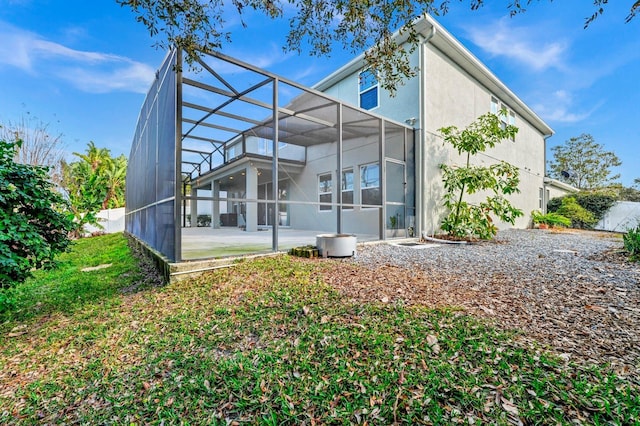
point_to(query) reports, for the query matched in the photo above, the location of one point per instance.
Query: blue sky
(85, 69)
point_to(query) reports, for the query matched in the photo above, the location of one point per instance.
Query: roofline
(450, 46)
(559, 184)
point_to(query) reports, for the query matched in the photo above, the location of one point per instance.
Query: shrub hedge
(597, 203)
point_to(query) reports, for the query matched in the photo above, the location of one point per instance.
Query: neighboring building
(348, 157)
(554, 189)
(110, 221)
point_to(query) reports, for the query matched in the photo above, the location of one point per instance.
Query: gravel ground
(572, 291)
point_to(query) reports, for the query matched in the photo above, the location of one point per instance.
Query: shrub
(632, 242)
(554, 204)
(596, 202)
(204, 220)
(579, 216)
(7, 301)
(33, 227)
(551, 219)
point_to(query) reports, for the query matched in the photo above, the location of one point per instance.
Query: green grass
(67, 288)
(267, 342)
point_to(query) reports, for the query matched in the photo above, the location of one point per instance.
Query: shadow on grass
(68, 288)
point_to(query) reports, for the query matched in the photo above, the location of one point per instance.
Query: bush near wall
(596, 203)
(580, 217)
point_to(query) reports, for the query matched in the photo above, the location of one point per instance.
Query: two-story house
(240, 150)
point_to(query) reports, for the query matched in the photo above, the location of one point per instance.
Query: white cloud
(521, 44)
(133, 77)
(93, 72)
(559, 107)
(303, 73)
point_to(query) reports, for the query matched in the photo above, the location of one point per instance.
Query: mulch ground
(578, 319)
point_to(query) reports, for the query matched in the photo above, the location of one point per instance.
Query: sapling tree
(465, 219)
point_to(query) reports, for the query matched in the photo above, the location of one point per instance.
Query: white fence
(112, 221)
(621, 217)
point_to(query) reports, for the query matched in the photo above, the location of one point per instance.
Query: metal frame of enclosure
(229, 150)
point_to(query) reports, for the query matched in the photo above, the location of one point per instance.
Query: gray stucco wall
(321, 159)
(403, 105)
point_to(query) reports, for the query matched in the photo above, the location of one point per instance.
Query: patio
(202, 243)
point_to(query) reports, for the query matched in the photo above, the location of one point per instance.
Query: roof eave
(446, 42)
(562, 185)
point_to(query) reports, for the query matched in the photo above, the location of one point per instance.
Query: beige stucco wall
(453, 97)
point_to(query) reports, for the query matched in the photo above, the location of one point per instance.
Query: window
(507, 117)
(495, 106)
(370, 184)
(541, 199)
(347, 188)
(325, 191)
(368, 90)
(503, 120)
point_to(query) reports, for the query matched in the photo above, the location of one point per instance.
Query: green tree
(356, 25)
(583, 163)
(34, 228)
(475, 220)
(114, 176)
(629, 194)
(95, 182)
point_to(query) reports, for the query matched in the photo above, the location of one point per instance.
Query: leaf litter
(582, 305)
(142, 353)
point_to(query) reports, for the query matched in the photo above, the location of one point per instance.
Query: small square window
(507, 116)
(494, 106)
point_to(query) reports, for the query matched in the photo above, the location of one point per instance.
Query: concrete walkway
(200, 243)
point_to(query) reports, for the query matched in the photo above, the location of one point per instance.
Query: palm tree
(114, 179)
(96, 181)
(95, 157)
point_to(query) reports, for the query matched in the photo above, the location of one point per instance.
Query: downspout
(421, 158)
(544, 177)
